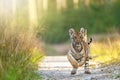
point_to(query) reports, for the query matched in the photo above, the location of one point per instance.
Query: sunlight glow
(5, 7)
(14, 7)
(45, 5)
(32, 12)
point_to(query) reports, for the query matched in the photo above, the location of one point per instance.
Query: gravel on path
(58, 68)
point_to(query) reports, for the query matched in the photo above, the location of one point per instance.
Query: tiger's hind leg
(86, 67)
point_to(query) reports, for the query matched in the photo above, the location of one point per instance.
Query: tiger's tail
(90, 41)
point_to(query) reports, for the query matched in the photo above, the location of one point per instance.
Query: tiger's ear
(82, 31)
(71, 31)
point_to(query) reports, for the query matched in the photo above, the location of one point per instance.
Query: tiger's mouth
(78, 47)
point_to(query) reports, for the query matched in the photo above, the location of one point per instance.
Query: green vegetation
(118, 76)
(106, 51)
(97, 18)
(20, 53)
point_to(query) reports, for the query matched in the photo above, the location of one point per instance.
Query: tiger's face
(77, 38)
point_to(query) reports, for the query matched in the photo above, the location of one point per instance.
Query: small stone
(101, 69)
(93, 78)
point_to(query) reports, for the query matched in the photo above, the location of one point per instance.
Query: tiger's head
(77, 38)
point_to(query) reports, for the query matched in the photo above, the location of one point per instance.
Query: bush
(19, 54)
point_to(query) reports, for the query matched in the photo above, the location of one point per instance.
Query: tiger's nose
(78, 43)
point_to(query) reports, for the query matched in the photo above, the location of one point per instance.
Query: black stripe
(85, 66)
(87, 59)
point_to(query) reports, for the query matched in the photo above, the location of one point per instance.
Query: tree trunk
(14, 7)
(59, 5)
(14, 20)
(87, 2)
(76, 5)
(64, 4)
(33, 20)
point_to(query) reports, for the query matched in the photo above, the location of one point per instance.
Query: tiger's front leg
(73, 62)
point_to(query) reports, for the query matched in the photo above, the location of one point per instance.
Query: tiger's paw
(87, 72)
(74, 70)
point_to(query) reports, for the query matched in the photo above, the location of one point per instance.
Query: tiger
(78, 53)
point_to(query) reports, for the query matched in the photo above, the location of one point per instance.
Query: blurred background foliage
(98, 16)
(26, 25)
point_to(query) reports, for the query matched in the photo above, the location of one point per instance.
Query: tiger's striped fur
(78, 55)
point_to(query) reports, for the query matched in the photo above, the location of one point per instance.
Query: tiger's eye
(81, 37)
(75, 37)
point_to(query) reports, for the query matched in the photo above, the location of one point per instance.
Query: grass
(20, 53)
(106, 51)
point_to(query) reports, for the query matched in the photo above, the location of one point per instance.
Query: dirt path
(58, 68)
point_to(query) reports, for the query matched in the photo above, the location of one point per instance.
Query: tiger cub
(78, 54)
